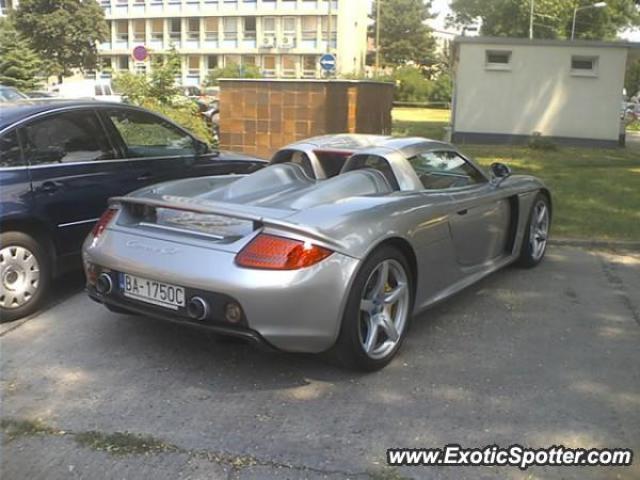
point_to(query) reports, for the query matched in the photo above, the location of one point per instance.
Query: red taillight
(270, 252)
(101, 224)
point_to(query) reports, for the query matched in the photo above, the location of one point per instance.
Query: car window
(10, 155)
(147, 135)
(332, 161)
(445, 169)
(374, 162)
(66, 138)
(8, 94)
(296, 157)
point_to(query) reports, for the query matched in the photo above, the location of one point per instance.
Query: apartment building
(283, 38)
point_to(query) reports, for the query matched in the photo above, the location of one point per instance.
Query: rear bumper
(215, 326)
(296, 311)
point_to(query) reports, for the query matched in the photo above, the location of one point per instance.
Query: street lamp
(577, 9)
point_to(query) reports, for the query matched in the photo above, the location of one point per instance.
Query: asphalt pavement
(542, 357)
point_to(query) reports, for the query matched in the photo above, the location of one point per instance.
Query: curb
(609, 244)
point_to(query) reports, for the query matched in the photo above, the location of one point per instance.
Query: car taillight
(102, 224)
(270, 252)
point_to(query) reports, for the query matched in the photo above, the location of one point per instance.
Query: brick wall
(260, 116)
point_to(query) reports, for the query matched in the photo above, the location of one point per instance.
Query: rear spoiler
(231, 210)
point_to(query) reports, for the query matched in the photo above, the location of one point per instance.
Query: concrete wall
(260, 116)
(538, 93)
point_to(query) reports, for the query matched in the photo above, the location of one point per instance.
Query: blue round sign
(328, 62)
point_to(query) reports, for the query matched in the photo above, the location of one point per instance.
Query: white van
(99, 90)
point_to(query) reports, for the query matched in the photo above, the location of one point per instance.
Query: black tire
(35, 301)
(528, 256)
(348, 350)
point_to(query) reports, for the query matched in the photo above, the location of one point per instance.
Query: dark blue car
(59, 163)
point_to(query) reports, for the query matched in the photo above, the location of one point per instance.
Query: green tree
(19, 64)
(63, 32)
(404, 37)
(552, 18)
(157, 91)
(632, 78)
(232, 70)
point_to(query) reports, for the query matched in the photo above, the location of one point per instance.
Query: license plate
(152, 291)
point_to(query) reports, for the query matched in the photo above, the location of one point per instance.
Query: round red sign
(140, 53)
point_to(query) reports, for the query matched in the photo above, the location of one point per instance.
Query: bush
(538, 142)
(233, 70)
(411, 85)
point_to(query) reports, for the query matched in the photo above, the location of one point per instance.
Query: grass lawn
(596, 192)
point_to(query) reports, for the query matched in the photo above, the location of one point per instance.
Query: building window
(309, 28)
(139, 30)
(309, 63)
(123, 62)
(122, 30)
(269, 65)
(325, 28)
(231, 60)
(582, 66)
(250, 28)
(498, 59)
(269, 25)
(157, 29)
(230, 28)
(211, 28)
(175, 28)
(288, 66)
(193, 65)
(212, 62)
(249, 60)
(289, 26)
(193, 31)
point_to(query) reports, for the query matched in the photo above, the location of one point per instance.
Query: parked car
(40, 94)
(10, 94)
(294, 260)
(82, 89)
(59, 163)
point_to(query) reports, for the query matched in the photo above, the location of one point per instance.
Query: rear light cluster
(270, 252)
(104, 221)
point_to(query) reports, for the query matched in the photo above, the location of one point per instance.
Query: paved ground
(542, 357)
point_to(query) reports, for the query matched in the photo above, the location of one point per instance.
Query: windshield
(8, 94)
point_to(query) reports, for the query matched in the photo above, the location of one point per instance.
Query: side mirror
(500, 170)
(201, 148)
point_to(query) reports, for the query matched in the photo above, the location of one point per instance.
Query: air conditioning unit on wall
(288, 41)
(268, 41)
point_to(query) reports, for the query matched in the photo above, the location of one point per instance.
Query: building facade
(282, 38)
(508, 90)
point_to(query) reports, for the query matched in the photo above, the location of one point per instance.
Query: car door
(74, 170)
(479, 214)
(155, 149)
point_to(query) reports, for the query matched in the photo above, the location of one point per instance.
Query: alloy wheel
(384, 309)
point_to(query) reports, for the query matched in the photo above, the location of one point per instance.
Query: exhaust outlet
(104, 285)
(198, 308)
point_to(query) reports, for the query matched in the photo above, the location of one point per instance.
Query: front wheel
(534, 243)
(24, 275)
(377, 313)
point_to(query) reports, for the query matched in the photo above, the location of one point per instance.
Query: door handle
(48, 187)
(463, 212)
(145, 177)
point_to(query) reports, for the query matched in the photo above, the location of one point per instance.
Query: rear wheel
(534, 243)
(377, 313)
(24, 275)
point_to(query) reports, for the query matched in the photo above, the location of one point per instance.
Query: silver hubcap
(384, 309)
(539, 230)
(19, 274)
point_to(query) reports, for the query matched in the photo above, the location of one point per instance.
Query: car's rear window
(332, 161)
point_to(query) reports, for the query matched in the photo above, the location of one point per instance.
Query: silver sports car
(309, 256)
